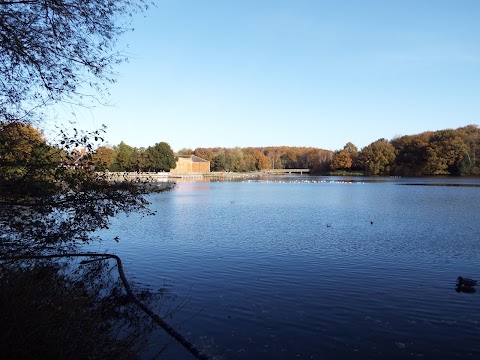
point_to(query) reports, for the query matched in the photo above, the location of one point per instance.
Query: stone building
(191, 164)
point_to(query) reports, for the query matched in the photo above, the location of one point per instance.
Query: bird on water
(466, 285)
(466, 281)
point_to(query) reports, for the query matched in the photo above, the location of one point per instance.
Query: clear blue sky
(297, 73)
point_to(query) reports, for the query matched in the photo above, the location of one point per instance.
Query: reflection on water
(439, 184)
(315, 268)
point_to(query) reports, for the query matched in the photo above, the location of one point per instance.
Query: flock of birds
(305, 181)
(466, 285)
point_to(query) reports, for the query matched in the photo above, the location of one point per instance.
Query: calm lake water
(314, 267)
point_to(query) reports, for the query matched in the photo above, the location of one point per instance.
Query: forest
(442, 152)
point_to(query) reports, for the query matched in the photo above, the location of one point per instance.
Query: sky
(320, 73)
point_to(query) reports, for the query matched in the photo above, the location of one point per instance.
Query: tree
(444, 153)
(261, 161)
(58, 51)
(204, 153)
(342, 160)
(471, 136)
(346, 158)
(185, 151)
(46, 200)
(378, 157)
(26, 161)
(219, 162)
(289, 159)
(103, 158)
(234, 160)
(274, 156)
(53, 50)
(254, 160)
(161, 157)
(139, 159)
(350, 148)
(123, 161)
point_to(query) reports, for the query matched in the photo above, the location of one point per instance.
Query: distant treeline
(443, 152)
(123, 157)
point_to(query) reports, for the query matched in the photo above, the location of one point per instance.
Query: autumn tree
(28, 165)
(262, 158)
(255, 160)
(289, 159)
(341, 161)
(352, 150)
(273, 155)
(185, 151)
(378, 157)
(261, 161)
(410, 152)
(204, 153)
(55, 51)
(49, 207)
(161, 157)
(49, 202)
(22, 147)
(103, 158)
(471, 161)
(346, 158)
(444, 153)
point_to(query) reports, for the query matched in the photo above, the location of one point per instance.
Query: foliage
(50, 199)
(378, 157)
(103, 158)
(443, 152)
(264, 158)
(341, 161)
(123, 160)
(429, 153)
(51, 202)
(161, 157)
(205, 153)
(471, 137)
(55, 51)
(260, 161)
(219, 162)
(288, 159)
(345, 159)
(185, 151)
(234, 160)
(410, 153)
(52, 50)
(22, 148)
(139, 160)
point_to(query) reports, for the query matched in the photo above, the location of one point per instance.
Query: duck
(461, 281)
(465, 289)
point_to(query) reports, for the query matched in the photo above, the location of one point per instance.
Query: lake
(313, 267)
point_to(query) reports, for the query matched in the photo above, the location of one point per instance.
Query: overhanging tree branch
(49, 48)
